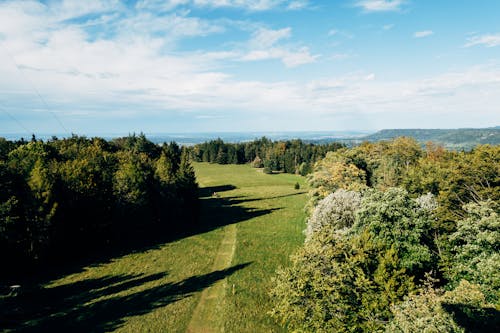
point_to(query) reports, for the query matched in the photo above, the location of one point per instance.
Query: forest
(398, 239)
(61, 199)
(290, 156)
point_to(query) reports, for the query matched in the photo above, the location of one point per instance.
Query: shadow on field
(239, 199)
(218, 211)
(66, 308)
(214, 212)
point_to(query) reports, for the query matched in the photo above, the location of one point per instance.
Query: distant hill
(461, 138)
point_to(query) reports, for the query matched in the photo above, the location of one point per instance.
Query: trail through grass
(212, 280)
(212, 300)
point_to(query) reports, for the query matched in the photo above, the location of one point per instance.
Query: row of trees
(399, 239)
(293, 156)
(62, 197)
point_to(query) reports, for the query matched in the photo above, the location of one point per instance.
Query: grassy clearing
(158, 288)
(265, 240)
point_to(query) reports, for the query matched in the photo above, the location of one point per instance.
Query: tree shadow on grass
(215, 212)
(240, 199)
(59, 308)
(41, 309)
(76, 307)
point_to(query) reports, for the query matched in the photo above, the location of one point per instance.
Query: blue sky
(97, 66)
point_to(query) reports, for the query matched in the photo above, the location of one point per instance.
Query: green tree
(396, 220)
(339, 284)
(475, 249)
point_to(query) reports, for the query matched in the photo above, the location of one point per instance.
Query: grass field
(215, 279)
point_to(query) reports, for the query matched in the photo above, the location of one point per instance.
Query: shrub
(339, 284)
(475, 248)
(337, 211)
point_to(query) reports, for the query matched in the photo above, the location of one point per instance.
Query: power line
(33, 87)
(16, 120)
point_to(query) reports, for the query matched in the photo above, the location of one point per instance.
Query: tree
(334, 172)
(475, 249)
(339, 284)
(396, 220)
(257, 162)
(463, 309)
(336, 211)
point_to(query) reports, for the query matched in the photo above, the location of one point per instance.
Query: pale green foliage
(394, 219)
(339, 284)
(431, 310)
(24, 157)
(427, 202)
(422, 313)
(476, 245)
(164, 169)
(334, 172)
(337, 210)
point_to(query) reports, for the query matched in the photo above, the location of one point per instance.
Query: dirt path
(212, 298)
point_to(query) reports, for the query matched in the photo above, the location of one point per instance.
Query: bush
(296, 186)
(339, 284)
(463, 309)
(475, 246)
(337, 211)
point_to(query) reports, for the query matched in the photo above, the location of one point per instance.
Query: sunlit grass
(157, 289)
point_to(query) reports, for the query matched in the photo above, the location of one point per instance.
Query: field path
(212, 298)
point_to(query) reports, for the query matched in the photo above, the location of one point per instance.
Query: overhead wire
(36, 91)
(17, 121)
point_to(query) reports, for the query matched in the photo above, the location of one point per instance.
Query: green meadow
(214, 279)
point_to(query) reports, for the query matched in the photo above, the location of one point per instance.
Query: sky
(111, 66)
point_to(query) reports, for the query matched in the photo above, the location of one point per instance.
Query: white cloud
(264, 45)
(490, 40)
(422, 34)
(131, 74)
(289, 58)
(264, 38)
(388, 27)
(251, 5)
(380, 5)
(67, 9)
(298, 4)
(172, 25)
(255, 5)
(160, 5)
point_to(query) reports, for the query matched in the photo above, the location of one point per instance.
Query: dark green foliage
(395, 220)
(65, 197)
(293, 156)
(296, 186)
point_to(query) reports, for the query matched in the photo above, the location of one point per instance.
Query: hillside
(249, 225)
(461, 138)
